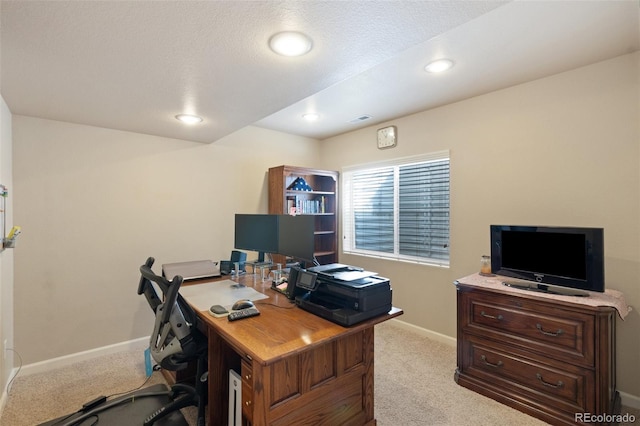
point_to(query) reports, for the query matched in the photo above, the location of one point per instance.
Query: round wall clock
(387, 137)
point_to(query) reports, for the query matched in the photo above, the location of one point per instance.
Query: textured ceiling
(134, 65)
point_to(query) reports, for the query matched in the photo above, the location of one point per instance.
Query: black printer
(346, 294)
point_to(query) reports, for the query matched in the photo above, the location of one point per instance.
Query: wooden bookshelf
(321, 201)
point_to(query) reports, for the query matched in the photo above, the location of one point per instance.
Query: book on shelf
(300, 205)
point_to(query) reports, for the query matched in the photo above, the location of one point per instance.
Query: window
(398, 210)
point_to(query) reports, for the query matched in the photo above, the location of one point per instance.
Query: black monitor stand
(544, 288)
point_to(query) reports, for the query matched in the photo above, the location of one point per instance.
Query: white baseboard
(3, 399)
(442, 338)
(627, 399)
(630, 400)
(63, 361)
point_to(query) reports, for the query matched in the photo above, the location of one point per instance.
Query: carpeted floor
(413, 386)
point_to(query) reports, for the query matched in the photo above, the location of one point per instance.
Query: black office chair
(176, 341)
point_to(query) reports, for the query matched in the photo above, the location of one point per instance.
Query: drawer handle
(551, 385)
(248, 403)
(496, 365)
(248, 376)
(549, 333)
(499, 317)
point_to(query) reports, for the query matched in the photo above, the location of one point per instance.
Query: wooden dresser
(546, 357)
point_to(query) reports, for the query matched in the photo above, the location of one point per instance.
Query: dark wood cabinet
(548, 358)
(320, 201)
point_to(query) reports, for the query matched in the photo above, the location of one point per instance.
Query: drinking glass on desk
(236, 269)
(263, 272)
(277, 273)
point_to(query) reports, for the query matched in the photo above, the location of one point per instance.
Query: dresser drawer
(560, 334)
(564, 387)
(548, 357)
(247, 390)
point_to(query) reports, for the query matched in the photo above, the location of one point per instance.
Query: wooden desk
(296, 367)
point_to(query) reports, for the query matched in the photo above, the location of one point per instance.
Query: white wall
(6, 256)
(563, 150)
(94, 203)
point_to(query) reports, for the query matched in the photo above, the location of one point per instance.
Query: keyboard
(243, 313)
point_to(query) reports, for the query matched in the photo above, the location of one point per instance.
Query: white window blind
(398, 209)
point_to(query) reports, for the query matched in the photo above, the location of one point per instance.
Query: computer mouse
(242, 304)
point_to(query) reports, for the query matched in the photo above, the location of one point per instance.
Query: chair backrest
(175, 339)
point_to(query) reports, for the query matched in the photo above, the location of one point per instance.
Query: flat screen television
(553, 259)
(280, 234)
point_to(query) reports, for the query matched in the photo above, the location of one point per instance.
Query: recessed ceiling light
(290, 43)
(310, 116)
(439, 66)
(188, 118)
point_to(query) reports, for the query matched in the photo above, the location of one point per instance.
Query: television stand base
(544, 288)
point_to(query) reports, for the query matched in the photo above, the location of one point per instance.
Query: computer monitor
(296, 237)
(256, 232)
(291, 236)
